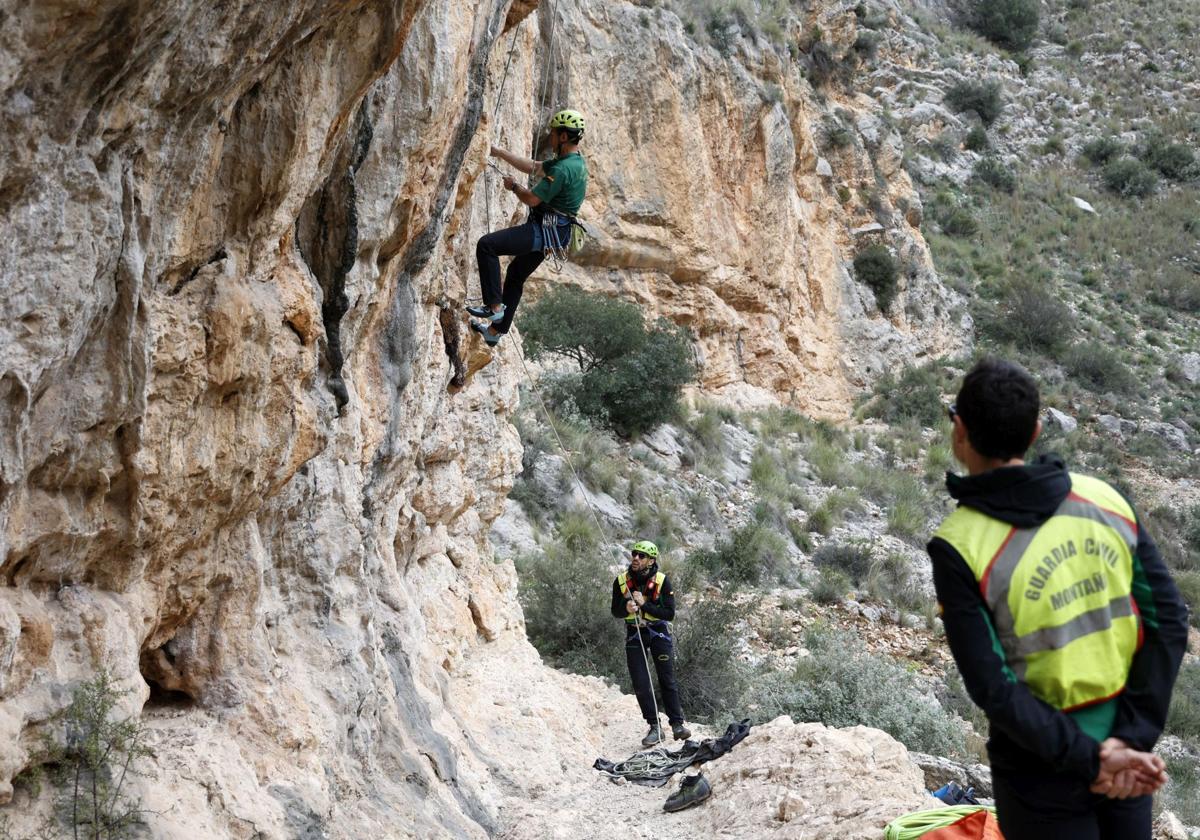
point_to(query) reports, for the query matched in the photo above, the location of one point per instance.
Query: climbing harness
(913, 826)
(553, 246)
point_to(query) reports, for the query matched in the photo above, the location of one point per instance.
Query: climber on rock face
(643, 598)
(554, 201)
(1062, 618)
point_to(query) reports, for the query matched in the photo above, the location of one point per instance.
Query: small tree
(1174, 160)
(993, 172)
(1129, 177)
(1103, 149)
(981, 97)
(875, 266)
(1010, 23)
(629, 377)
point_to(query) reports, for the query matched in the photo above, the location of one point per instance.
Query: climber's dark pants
(522, 242)
(661, 652)
(1047, 806)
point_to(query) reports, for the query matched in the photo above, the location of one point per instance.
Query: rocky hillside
(249, 458)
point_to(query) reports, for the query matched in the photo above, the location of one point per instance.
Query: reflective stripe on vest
(1061, 594)
(623, 582)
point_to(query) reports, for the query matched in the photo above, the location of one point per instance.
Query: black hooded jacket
(662, 608)
(1027, 733)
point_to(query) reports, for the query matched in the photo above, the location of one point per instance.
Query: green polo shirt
(565, 184)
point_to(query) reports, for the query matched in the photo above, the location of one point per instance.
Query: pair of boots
(678, 730)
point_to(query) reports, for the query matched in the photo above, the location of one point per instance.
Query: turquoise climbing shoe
(485, 312)
(484, 330)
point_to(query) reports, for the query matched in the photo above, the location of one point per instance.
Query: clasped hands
(1126, 772)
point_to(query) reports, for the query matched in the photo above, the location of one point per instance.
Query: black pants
(1045, 806)
(661, 652)
(517, 242)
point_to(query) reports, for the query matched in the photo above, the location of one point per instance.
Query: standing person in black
(642, 597)
(1063, 620)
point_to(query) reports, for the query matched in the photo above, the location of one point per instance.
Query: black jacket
(1026, 732)
(662, 608)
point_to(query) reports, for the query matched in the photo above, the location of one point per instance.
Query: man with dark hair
(553, 202)
(1062, 618)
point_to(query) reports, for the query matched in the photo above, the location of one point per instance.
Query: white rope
(558, 256)
(549, 57)
(596, 517)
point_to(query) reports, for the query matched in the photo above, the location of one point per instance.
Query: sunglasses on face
(952, 411)
(637, 555)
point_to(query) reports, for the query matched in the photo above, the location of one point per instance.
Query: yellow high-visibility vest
(623, 582)
(1061, 594)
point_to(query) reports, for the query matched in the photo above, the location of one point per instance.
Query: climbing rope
(595, 516)
(558, 256)
(648, 765)
(546, 76)
(487, 182)
(912, 826)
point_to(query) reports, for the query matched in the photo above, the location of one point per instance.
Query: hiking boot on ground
(484, 311)
(680, 731)
(692, 791)
(653, 737)
(484, 329)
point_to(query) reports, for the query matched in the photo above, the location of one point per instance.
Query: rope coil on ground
(913, 826)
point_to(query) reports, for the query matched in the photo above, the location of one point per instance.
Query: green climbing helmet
(646, 547)
(568, 119)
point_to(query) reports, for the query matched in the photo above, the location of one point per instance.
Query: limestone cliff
(248, 455)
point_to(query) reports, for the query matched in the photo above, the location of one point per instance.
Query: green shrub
(584, 639)
(1177, 533)
(1011, 24)
(1129, 177)
(1032, 316)
(831, 586)
(721, 33)
(751, 554)
(1182, 793)
(1189, 588)
(1103, 149)
(852, 558)
(1174, 160)
(841, 684)
(993, 172)
(875, 266)
(892, 581)
(908, 510)
(1054, 145)
(1177, 290)
(838, 135)
(629, 377)
(1184, 717)
(976, 139)
(823, 65)
(1100, 368)
(832, 510)
(981, 97)
(959, 222)
(713, 681)
(916, 395)
(91, 769)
